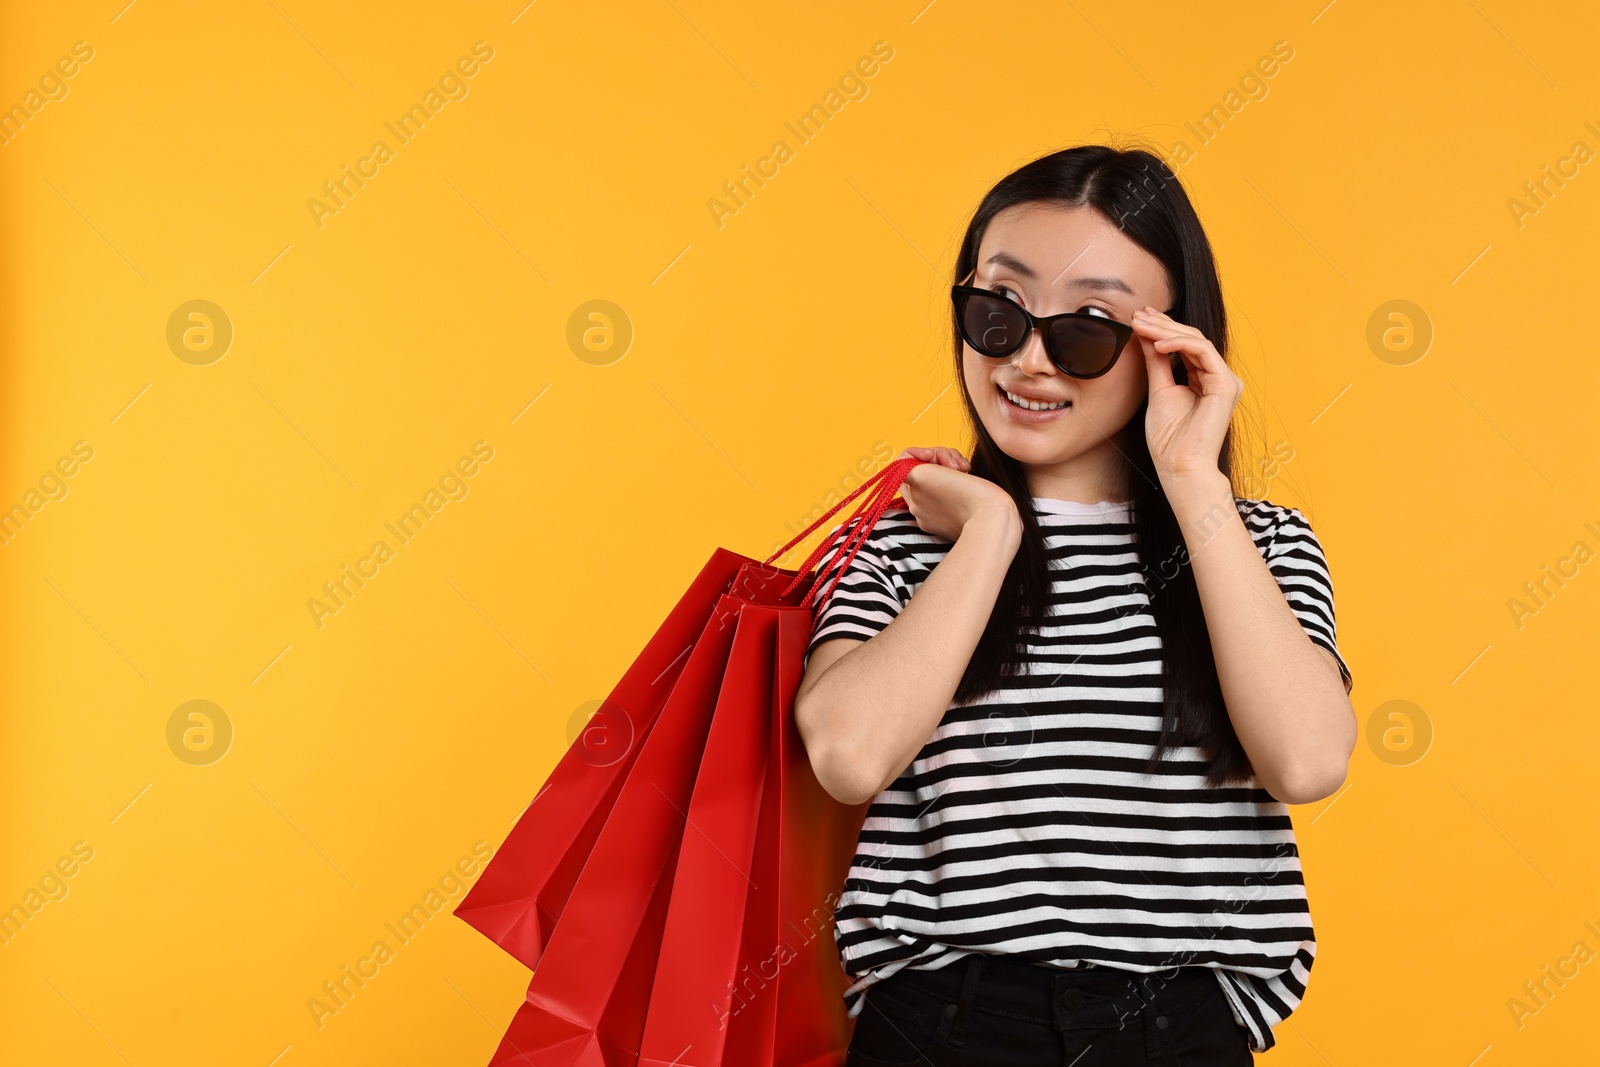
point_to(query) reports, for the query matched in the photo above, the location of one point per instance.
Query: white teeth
(1033, 405)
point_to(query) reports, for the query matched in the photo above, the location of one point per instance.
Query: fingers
(1210, 374)
(1157, 366)
(1158, 335)
(1195, 349)
(953, 459)
(945, 457)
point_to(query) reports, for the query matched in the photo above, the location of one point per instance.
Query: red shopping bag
(520, 894)
(767, 990)
(585, 1004)
(689, 922)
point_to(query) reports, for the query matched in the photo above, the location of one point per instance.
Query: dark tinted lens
(993, 325)
(1082, 346)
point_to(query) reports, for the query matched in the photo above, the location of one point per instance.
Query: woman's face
(1052, 258)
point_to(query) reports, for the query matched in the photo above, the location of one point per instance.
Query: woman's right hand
(865, 708)
(943, 495)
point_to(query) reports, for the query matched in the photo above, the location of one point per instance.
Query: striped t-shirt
(1025, 824)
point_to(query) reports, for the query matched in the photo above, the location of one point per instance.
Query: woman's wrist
(998, 521)
(1194, 493)
(1203, 504)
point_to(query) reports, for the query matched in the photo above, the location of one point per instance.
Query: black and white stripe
(1026, 825)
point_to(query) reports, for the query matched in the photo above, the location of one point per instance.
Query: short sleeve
(1295, 558)
(866, 599)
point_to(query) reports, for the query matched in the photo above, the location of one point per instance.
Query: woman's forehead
(1067, 247)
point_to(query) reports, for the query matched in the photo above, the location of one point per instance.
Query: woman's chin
(1027, 445)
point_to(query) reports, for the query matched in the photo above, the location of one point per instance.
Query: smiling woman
(1078, 678)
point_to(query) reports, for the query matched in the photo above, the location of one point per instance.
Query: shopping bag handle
(885, 486)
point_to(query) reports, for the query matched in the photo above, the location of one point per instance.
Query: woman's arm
(865, 708)
(1285, 695)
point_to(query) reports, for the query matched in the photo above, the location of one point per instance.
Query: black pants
(1005, 1011)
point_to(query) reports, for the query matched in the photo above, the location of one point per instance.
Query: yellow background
(770, 356)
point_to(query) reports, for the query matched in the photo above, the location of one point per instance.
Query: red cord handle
(884, 496)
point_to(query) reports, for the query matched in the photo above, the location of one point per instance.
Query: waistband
(1066, 998)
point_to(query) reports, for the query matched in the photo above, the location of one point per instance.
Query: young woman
(1077, 677)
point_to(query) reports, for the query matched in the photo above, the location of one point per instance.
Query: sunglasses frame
(1121, 330)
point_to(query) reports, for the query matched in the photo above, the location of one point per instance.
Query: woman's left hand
(1184, 424)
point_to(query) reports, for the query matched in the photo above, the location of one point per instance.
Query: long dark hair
(1136, 191)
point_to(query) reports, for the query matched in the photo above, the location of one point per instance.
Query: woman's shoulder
(1271, 524)
(896, 527)
(894, 540)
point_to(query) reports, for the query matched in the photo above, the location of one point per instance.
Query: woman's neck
(1091, 477)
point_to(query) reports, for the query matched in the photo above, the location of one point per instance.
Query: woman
(1078, 678)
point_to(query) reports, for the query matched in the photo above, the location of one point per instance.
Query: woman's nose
(1033, 359)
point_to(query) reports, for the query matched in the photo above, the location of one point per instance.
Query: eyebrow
(1010, 262)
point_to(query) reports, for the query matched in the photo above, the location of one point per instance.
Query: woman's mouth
(1031, 411)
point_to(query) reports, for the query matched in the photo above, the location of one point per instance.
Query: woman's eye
(998, 289)
(1096, 308)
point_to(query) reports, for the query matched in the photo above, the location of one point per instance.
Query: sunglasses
(1079, 344)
